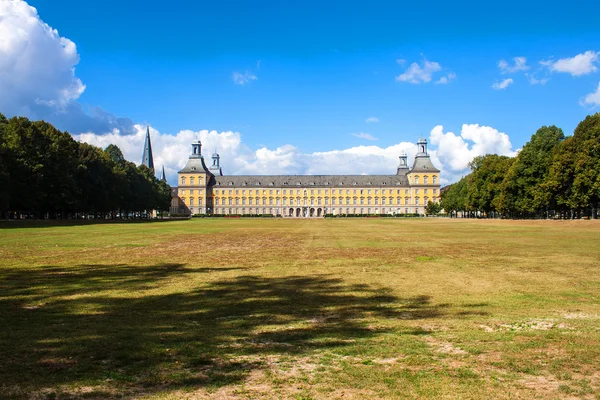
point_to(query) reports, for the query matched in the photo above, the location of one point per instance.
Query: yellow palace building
(205, 190)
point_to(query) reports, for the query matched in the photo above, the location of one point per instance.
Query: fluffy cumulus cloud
(451, 153)
(502, 84)
(592, 99)
(243, 78)
(520, 64)
(172, 151)
(581, 64)
(37, 74)
(454, 152)
(37, 65)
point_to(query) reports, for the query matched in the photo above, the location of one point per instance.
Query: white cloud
(581, 64)
(503, 84)
(446, 79)
(37, 66)
(242, 79)
(363, 135)
(454, 152)
(592, 99)
(372, 119)
(452, 155)
(534, 81)
(37, 74)
(520, 64)
(417, 74)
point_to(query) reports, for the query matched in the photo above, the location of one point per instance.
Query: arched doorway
(312, 212)
(298, 212)
(319, 211)
(291, 212)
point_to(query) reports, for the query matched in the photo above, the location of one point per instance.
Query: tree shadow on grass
(101, 326)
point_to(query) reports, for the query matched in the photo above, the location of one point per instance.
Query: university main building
(205, 190)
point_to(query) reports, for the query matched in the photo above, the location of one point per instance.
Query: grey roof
(147, 158)
(195, 164)
(423, 164)
(292, 181)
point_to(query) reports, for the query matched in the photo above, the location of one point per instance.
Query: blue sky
(316, 71)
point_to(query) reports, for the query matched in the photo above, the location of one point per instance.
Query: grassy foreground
(301, 309)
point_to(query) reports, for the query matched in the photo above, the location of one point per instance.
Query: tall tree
(521, 189)
(485, 181)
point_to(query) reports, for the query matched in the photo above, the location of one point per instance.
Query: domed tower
(215, 168)
(403, 166)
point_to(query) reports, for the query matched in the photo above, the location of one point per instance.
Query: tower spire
(147, 158)
(163, 177)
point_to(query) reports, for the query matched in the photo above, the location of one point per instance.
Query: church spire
(147, 158)
(163, 177)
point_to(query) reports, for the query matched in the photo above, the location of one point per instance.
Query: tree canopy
(550, 175)
(46, 173)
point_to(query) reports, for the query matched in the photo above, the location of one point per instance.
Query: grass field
(301, 309)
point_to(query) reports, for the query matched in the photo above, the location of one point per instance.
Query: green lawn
(301, 309)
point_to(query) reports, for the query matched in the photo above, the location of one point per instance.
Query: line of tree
(45, 173)
(552, 176)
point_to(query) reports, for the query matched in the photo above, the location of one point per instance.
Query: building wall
(196, 198)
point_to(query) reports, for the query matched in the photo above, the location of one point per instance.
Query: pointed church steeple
(163, 177)
(147, 158)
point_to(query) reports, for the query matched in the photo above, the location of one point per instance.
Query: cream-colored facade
(203, 190)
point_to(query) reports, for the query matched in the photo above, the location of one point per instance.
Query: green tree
(485, 181)
(432, 208)
(522, 186)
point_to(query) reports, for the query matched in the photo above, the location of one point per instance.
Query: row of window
(425, 180)
(304, 192)
(191, 192)
(318, 202)
(297, 212)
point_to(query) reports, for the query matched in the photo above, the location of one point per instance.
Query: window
(332, 201)
(230, 202)
(244, 201)
(250, 201)
(192, 180)
(425, 191)
(434, 191)
(183, 180)
(362, 201)
(354, 201)
(416, 191)
(405, 191)
(434, 179)
(347, 201)
(416, 201)
(425, 180)
(237, 201)
(376, 201)
(200, 201)
(383, 201)
(406, 201)
(416, 179)
(191, 201)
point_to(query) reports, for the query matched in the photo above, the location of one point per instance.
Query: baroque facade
(205, 190)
